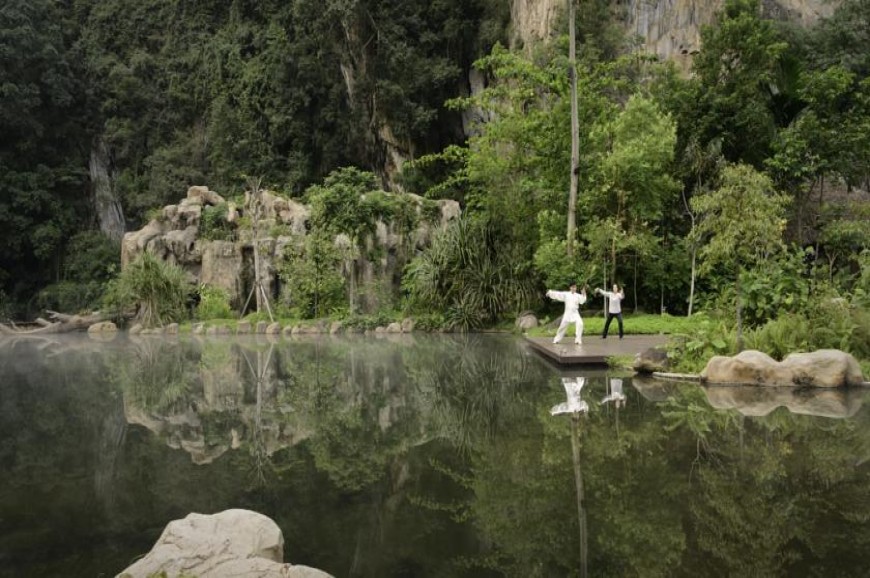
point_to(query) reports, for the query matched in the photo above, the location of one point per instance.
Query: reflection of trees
(474, 385)
(59, 440)
(525, 495)
(779, 494)
(427, 455)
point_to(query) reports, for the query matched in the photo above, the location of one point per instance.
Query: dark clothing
(610, 317)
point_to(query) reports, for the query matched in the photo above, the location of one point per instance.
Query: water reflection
(424, 456)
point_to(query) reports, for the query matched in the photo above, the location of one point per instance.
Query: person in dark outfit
(614, 308)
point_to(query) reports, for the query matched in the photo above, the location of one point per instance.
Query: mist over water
(422, 456)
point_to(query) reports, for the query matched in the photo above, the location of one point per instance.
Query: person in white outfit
(614, 308)
(572, 300)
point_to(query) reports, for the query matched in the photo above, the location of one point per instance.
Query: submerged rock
(229, 543)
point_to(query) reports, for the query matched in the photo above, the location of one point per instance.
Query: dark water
(421, 456)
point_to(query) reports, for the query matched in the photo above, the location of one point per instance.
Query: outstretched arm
(556, 295)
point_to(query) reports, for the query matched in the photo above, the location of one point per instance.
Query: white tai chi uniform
(571, 315)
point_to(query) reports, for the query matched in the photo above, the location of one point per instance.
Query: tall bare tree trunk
(694, 273)
(739, 315)
(575, 130)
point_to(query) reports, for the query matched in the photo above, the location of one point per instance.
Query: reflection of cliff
(218, 397)
(759, 401)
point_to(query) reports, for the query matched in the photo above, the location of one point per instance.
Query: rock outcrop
(822, 368)
(229, 543)
(174, 235)
(672, 30)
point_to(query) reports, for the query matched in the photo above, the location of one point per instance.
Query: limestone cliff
(669, 28)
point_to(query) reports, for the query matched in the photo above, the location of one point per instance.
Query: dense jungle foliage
(739, 188)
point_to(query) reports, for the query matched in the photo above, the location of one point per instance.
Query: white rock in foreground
(232, 543)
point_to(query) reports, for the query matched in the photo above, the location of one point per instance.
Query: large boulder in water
(229, 543)
(823, 368)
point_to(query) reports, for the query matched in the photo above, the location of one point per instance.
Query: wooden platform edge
(565, 360)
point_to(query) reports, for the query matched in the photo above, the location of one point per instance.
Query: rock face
(823, 368)
(533, 20)
(174, 235)
(670, 29)
(230, 543)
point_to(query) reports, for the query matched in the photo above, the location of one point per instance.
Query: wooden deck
(594, 350)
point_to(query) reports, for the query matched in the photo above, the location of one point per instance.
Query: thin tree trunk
(692, 283)
(575, 130)
(739, 315)
(635, 282)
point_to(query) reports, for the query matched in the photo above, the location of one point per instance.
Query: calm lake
(422, 456)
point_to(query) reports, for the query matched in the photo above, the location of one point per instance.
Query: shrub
(779, 337)
(213, 224)
(311, 276)
(158, 290)
(214, 303)
(470, 271)
(71, 297)
(691, 351)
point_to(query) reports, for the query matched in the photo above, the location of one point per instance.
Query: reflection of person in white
(572, 300)
(614, 308)
(616, 395)
(573, 388)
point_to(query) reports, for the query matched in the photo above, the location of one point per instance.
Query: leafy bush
(338, 206)
(429, 322)
(780, 286)
(369, 322)
(311, 276)
(213, 224)
(91, 259)
(470, 271)
(691, 351)
(779, 337)
(158, 290)
(214, 303)
(71, 297)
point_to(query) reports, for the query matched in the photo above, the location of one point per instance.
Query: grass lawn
(640, 324)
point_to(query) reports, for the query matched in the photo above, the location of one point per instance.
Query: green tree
(311, 275)
(737, 75)
(826, 140)
(43, 120)
(742, 222)
(631, 176)
(469, 273)
(339, 207)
